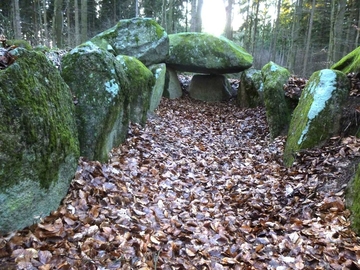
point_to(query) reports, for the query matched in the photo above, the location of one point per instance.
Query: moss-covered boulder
(277, 109)
(140, 82)
(317, 116)
(142, 38)
(19, 43)
(159, 72)
(100, 85)
(172, 88)
(205, 53)
(349, 63)
(353, 200)
(251, 90)
(39, 147)
(210, 88)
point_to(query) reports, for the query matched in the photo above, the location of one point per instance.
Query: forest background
(301, 35)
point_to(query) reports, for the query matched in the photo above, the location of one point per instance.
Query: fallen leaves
(200, 187)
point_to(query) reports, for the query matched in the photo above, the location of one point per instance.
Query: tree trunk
(193, 21)
(294, 40)
(84, 20)
(276, 31)
(254, 31)
(77, 23)
(58, 23)
(136, 8)
(228, 25)
(330, 56)
(16, 21)
(198, 16)
(46, 32)
(169, 17)
(308, 40)
(338, 30)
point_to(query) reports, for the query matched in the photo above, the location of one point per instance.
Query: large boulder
(102, 89)
(142, 38)
(278, 112)
(210, 88)
(205, 53)
(349, 63)
(139, 87)
(39, 147)
(172, 88)
(353, 200)
(317, 116)
(159, 71)
(251, 90)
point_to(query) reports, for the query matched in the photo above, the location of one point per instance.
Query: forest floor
(201, 186)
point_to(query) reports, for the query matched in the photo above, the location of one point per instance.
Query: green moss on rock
(142, 38)
(317, 116)
(353, 200)
(278, 113)
(141, 82)
(100, 83)
(39, 147)
(251, 90)
(349, 63)
(19, 43)
(205, 53)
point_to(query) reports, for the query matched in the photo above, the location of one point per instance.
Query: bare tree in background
(83, 20)
(229, 19)
(16, 20)
(58, 23)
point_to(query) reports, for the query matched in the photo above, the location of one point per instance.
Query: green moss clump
(349, 63)
(19, 43)
(353, 200)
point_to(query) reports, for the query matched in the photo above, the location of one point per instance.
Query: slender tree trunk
(194, 16)
(68, 15)
(16, 21)
(357, 33)
(84, 20)
(163, 14)
(254, 31)
(198, 16)
(46, 32)
(169, 17)
(338, 30)
(308, 40)
(136, 8)
(330, 56)
(77, 23)
(294, 40)
(228, 25)
(276, 31)
(58, 23)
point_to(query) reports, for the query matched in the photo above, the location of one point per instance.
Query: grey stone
(159, 71)
(172, 88)
(39, 147)
(251, 90)
(205, 53)
(317, 116)
(99, 82)
(278, 112)
(211, 88)
(142, 38)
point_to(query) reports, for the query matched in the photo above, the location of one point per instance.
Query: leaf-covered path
(200, 187)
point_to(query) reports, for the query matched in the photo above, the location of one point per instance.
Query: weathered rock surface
(138, 89)
(277, 109)
(210, 88)
(251, 90)
(317, 116)
(39, 147)
(99, 82)
(353, 200)
(205, 53)
(172, 88)
(349, 63)
(159, 72)
(142, 38)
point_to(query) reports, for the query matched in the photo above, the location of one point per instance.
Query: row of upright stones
(118, 77)
(115, 78)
